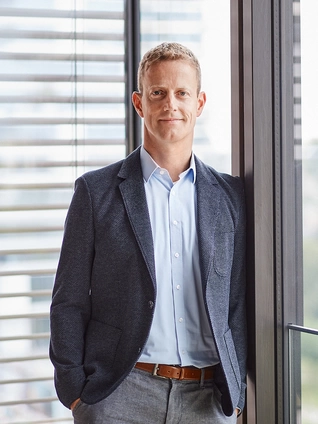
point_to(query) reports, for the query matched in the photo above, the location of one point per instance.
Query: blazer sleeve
(71, 306)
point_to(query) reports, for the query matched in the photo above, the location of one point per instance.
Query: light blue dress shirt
(180, 332)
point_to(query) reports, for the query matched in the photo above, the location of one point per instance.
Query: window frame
(263, 154)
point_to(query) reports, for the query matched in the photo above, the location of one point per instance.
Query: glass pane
(304, 347)
(309, 137)
(304, 384)
(204, 27)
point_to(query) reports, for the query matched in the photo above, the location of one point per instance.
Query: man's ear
(201, 102)
(136, 100)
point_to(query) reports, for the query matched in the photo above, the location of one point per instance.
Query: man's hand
(73, 404)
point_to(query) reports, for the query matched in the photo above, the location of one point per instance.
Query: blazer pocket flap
(101, 341)
(223, 256)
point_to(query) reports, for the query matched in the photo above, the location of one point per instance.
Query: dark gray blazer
(105, 288)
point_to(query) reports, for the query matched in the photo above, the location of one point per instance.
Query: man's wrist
(73, 404)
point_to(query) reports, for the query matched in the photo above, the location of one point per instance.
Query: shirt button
(162, 172)
(150, 304)
(178, 287)
(173, 193)
(175, 222)
(176, 255)
(180, 319)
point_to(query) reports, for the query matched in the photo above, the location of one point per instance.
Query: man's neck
(175, 161)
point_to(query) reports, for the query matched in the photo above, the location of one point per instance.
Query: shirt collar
(149, 166)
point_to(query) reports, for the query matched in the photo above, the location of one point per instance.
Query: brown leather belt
(177, 372)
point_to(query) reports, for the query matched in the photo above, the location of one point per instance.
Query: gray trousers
(145, 399)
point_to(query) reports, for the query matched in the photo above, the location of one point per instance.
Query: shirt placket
(176, 239)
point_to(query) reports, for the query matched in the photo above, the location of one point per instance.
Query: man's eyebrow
(156, 86)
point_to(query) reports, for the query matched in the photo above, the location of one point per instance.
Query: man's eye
(183, 93)
(157, 92)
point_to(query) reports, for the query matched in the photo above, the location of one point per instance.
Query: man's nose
(170, 102)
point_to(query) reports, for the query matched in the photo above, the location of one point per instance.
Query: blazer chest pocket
(223, 253)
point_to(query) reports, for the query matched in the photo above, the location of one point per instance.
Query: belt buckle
(155, 372)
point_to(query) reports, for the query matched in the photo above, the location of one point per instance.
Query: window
(204, 27)
(67, 69)
(304, 335)
(62, 112)
(276, 101)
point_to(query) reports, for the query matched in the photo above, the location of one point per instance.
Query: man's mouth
(170, 119)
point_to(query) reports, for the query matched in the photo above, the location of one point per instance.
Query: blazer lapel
(134, 197)
(208, 202)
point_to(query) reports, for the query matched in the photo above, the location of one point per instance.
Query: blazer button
(150, 304)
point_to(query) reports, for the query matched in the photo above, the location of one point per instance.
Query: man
(148, 309)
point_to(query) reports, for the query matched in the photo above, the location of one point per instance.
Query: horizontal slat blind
(62, 112)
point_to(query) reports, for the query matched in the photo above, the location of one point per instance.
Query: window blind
(62, 112)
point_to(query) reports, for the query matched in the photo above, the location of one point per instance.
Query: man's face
(169, 103)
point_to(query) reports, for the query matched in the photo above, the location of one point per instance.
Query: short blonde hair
(165, 52)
